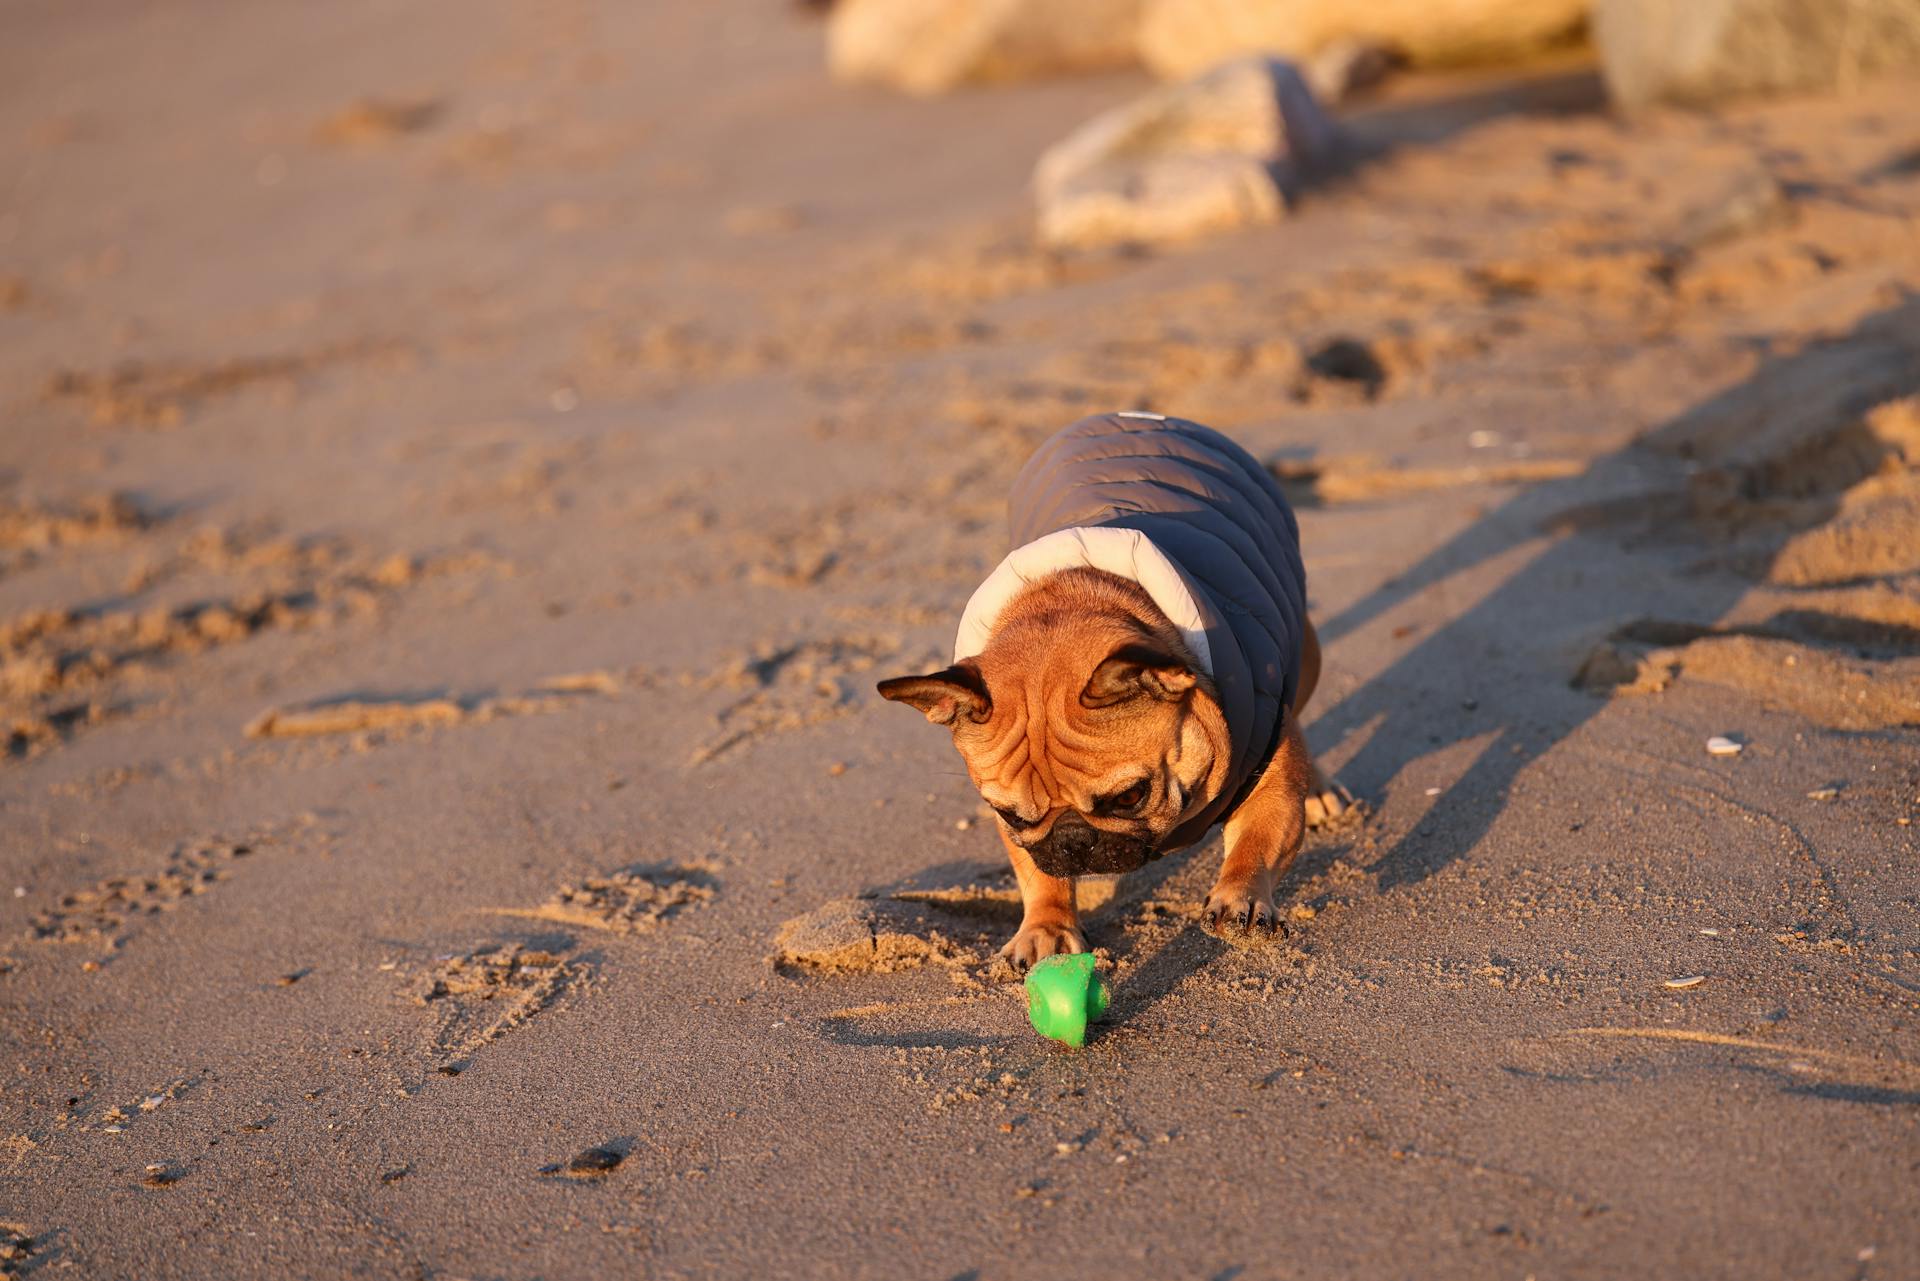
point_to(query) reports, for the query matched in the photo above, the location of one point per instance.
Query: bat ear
(945, 697)
(1136, 670)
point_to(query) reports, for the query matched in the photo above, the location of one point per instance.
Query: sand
(467, 465)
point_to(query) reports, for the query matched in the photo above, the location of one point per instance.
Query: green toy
(1063, 996)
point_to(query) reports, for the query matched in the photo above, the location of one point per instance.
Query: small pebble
(1433, 791)
(594, 1163)
(1692, 980)
(1823, 793)
(1721, 745)
(962, 824)
(1711, 933)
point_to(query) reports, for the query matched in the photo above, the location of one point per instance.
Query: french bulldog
(1133, 673)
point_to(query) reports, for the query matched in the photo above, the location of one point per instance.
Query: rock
(1214, 153)
(1163, 200)
(595, 1162)
(930, 46)
(1180, 37)
(1347, 66)
(1703, 51)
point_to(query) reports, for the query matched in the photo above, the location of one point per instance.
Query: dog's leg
(1048, 922)
(1326, 799)
(1263, 836)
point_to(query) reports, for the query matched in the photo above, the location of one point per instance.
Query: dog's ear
(1135, 670)
(945, 697)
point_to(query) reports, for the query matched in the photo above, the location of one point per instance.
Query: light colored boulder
(1214, 153)
(1162, 200)
(931, 46)
(1704, 51)
(1180, 37)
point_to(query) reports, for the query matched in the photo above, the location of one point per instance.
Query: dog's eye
(1012, 819)
(1122, 802)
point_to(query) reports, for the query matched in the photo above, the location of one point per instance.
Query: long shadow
(1374, 129)
(1781, 445)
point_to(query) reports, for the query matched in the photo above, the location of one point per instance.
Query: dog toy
(1063, 996)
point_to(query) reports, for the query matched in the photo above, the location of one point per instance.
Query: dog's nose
(1074, 847)
(1063, 850)
(1073, 835)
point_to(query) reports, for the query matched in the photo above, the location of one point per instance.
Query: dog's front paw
(1234, 907)
(1037, 941)
(1330, 804)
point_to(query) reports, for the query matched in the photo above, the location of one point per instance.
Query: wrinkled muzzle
(1077, 848)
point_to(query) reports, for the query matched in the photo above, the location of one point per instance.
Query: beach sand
(466, 465)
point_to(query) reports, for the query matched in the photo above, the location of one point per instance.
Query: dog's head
(1083, 723)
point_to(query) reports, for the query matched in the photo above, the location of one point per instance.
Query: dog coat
(1203, 529)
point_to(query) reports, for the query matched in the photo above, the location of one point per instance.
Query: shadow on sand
(1788, 440)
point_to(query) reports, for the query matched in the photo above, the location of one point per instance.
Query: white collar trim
(1126, 552)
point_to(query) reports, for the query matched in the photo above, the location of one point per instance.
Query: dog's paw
(1035, 943)
(1332, 804)
(1238, 908)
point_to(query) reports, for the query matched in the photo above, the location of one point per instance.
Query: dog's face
(1089, 739)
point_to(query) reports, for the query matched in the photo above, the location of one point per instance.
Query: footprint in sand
(631, 901)
(791, 686)
(104, 911)
(484, 994)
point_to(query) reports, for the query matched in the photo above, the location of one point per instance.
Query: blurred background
(463, 467)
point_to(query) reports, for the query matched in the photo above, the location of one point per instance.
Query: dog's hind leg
(1326, 800)
(1263, 836)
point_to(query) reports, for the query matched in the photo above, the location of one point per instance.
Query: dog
(1134, 671)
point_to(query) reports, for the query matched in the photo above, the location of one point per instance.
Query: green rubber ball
(1064, 994)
